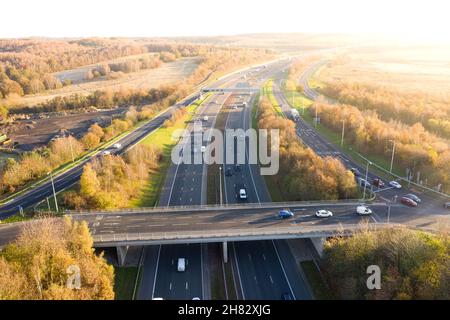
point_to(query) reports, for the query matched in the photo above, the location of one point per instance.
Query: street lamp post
(392, 158)
(365, 182)
(71, 149)
(342, 136)
(315, 119)
(388, 213)
(220, 184)
(54, 192)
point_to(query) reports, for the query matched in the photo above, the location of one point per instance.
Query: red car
(408, 202)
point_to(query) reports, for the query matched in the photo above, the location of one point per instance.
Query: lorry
(294, 114)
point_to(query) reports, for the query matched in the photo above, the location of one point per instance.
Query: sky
(150, 18)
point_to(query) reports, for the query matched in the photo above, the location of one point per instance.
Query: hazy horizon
(200, 18)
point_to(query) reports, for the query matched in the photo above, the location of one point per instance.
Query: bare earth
(30, 134)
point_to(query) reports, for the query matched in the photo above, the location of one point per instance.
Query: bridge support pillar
(225, 251)
(121, 254)
(318, 244)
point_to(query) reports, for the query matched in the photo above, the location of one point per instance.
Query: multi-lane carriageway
(185, 186)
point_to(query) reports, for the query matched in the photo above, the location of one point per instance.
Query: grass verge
(319, 288)
(124, 280)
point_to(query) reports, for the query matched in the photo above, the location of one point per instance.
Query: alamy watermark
(231, 147)
(73, 277)
(374, 280)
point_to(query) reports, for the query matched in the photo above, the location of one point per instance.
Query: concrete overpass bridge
(213, 223)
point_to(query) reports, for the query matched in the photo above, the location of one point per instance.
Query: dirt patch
(29, 134)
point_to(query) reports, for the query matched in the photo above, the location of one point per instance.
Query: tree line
(39, 264)
(115, 70)
(416, 148)
(217, 61)
(112, 181)
(432, 111)
(303, 174)
(413, 264)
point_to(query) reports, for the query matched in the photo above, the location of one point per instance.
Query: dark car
(228, 172)
(408, 202)
(378, 183)
(355, 171)
(285, 214)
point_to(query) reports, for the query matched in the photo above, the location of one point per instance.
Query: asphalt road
(260, 266)
(185, 184)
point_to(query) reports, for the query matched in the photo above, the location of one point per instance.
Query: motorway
(260, 267)
(266, 269)
(185, 184)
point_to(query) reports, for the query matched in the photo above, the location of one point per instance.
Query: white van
(363, 210)
(181, 265)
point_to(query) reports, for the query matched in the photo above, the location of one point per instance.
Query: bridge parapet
(238, 206)
(247, 234)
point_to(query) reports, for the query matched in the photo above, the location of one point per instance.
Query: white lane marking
(170, 286)
(239, 273)
(155, 225)
(156, 273)
(264, 257)
(282, 268)
(180, 224)
(187, 285)
(271, 280)
(173, 183)
(255, 279)
(204, 223)
(201, 270)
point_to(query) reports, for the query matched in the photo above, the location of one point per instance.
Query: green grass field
(124, 281)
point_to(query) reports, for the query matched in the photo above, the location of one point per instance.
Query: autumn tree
(37, 264)
(414, 264)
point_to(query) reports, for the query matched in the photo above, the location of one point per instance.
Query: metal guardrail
(218, 207)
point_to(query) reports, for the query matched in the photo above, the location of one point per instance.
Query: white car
(395, 184)
(242, 194)
(324, 213)
(117, 146)
(181, 265)
(106, 152)
(363, 210)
